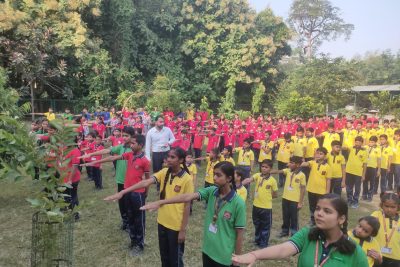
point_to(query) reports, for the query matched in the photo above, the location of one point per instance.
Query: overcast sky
(376, 25)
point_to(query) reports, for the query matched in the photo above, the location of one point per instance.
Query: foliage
(134, 98)
(323, 79)
(294, 105)
(243, 114)
(17, 149)
(164, 94)
(316, 21)
(385, 103)
(257, 98)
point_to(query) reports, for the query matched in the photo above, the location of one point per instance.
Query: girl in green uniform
(326, 244)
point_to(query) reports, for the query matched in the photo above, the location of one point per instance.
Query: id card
(386, 250)
(290, 188)
(212, 228)
(93, 158)
(255, 194)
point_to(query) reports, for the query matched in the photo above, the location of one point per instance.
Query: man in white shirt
(158, 141)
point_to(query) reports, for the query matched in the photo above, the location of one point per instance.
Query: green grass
(97, 238)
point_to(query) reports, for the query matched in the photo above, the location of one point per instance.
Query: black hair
(158, 116)
(310, 129)
(140, 139)
(359, 139)
(92, 134)
(331, 125)
(128, 130)
(240, 173)
(287, 136)
(335, 143)
(397, 132)
(383, 136)
(296, 159)
(373, 222)
(268, 162)
(344, 245)
(215, 151)
(322, 150)
(247, 140)
(229, 148)
(385, 196)
(300, 130)
(181, 155)
(268, 132)
(385, 121)
(373, 138)
(228, 169)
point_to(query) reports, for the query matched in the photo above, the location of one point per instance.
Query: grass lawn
(98, 241)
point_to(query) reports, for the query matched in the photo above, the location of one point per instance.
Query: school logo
(323, 172)
(136, 167)
(227, 215)
(177, 188)
(339, 161)
(297, 180)
(268, 187)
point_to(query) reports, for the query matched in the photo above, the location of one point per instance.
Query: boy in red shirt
(213, 140)
(97, 145)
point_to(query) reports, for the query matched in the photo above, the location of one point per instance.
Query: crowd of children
(319, 156)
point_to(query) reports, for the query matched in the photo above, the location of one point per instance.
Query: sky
(376, 25)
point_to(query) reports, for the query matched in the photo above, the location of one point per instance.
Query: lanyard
(316, 256)
(388, 238)
(370, 150)
(262, 181)
(291, 179)
(218, 208)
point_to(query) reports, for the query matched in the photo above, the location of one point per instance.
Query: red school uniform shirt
(100, 128)
(258, 136)
(213, 141)
(73, 155)
(230, 139)
(137, 166)
(185, 143)
(87, 144)
(237, 123)
(193, 124)
(116, 141)
(198, 140)
(241, 137)
(94, 148)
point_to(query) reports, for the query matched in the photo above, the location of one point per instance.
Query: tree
(294, 104)
(385, 103)
(327, 80)
(316, 21)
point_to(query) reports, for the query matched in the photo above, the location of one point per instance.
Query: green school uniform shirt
(220, 245)
(306, 248)
(120, 168)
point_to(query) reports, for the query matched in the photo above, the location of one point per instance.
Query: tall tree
(316, 21)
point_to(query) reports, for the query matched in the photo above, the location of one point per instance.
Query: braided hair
(228, 169)
(181, 154)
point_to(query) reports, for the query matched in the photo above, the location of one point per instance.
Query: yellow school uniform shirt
(210, 170)
(263, 154)
(394, 243)
(366, 245)
(374, 154)
(230, 159)
(242, 192)
(396, 152)
(370, 133)
(361, 133)
(336, 162)
(386, 153)
(192, 169)
(388, 131)
(285, 151)
(312, 145)
(328, 138)
(348, 137)
(293, 182)
(170, 216)
(299, 144)
(244, 157)
(357, 158)
(319, 173)
(263, 191)
(50, 116)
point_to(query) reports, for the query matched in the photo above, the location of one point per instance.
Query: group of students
(305, 163)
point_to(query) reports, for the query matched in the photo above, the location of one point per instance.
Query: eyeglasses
(126, 135)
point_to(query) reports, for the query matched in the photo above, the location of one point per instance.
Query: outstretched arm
(177, 199)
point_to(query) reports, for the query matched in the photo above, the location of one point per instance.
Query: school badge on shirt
(227, 215)
(177, 188)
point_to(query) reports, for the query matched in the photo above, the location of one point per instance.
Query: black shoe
(76, 216)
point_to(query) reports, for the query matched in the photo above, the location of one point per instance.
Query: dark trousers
(290, 216)
(336, 186)
(312, 202)
(384, 182)
(208, 262)
(123, 209)
(262, 220)
(97, 177)
(246, 172)
(157, 160)
(281, 166)
(89, 172)
(72, 199)
(387, 262)
(353, 188)
(369, 183)
(136, 218)
(171, 251)
(197, 154)
(306, 170)
(396, 176)
(390, 177)
(256, 152)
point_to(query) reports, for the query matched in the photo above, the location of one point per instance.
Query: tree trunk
(32, 101)
(309, 48)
